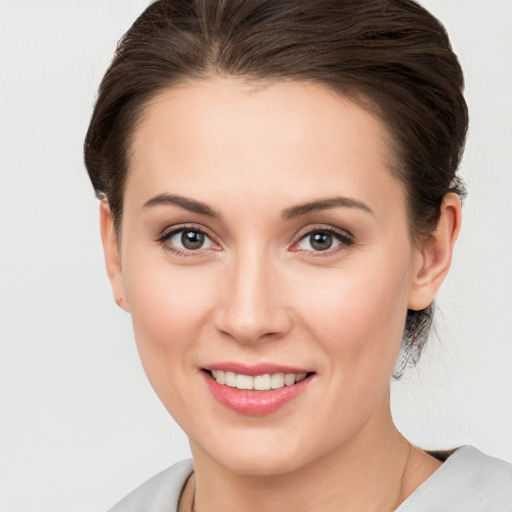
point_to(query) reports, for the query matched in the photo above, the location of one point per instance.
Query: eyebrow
(289, 213)
(324, 204)
(184, 202)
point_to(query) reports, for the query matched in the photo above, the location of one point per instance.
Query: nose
(252, 306)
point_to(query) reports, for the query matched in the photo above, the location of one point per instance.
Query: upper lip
(255, 369)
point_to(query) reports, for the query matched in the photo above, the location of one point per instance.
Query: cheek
(358, 315)
(357, 321)
(166, 301)
(170, 307)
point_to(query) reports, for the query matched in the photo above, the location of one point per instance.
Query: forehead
(285, 137)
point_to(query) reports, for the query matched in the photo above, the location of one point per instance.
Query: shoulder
(160, 493)
(468, 480)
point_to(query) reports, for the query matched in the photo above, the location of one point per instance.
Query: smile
(257, 390)
(257, 382)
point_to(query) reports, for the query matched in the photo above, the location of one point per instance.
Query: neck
(366, 472)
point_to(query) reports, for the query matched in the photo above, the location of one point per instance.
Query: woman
(279, 205)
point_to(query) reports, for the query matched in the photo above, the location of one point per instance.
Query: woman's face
(263, 234)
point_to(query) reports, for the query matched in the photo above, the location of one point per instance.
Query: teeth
(262, 382)
(258, 382)
(289, 379)
(277, 380)
(230, 379)
(244, 382)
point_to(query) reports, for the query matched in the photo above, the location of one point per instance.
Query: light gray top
(467, 481)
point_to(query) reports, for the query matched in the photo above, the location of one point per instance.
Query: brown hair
(392, 57)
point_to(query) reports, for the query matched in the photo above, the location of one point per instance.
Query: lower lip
(255, 403)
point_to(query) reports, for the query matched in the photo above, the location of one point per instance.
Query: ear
(434, 255)
(112, 256)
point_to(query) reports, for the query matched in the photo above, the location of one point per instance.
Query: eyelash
(345, 240)
(168, 234)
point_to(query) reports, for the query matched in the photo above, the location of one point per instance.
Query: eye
(186, 240)
(322, 240)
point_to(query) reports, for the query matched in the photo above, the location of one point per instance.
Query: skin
(257, 291)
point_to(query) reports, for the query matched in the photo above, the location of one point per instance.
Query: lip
(255, 403)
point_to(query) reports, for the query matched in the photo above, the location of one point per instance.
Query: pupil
(192, 240)
(321, 241)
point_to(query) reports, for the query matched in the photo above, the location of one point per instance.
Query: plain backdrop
(79, 424)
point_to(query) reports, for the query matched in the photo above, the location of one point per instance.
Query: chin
(259, 455)
(262, 465)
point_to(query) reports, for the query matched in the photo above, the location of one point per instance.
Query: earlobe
(434, 256)
(112, 256)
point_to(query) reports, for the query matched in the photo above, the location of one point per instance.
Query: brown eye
(186, 240)
(323, 240)
(320, 241)
(192, 240)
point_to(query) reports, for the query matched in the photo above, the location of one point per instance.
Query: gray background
(79, 424)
